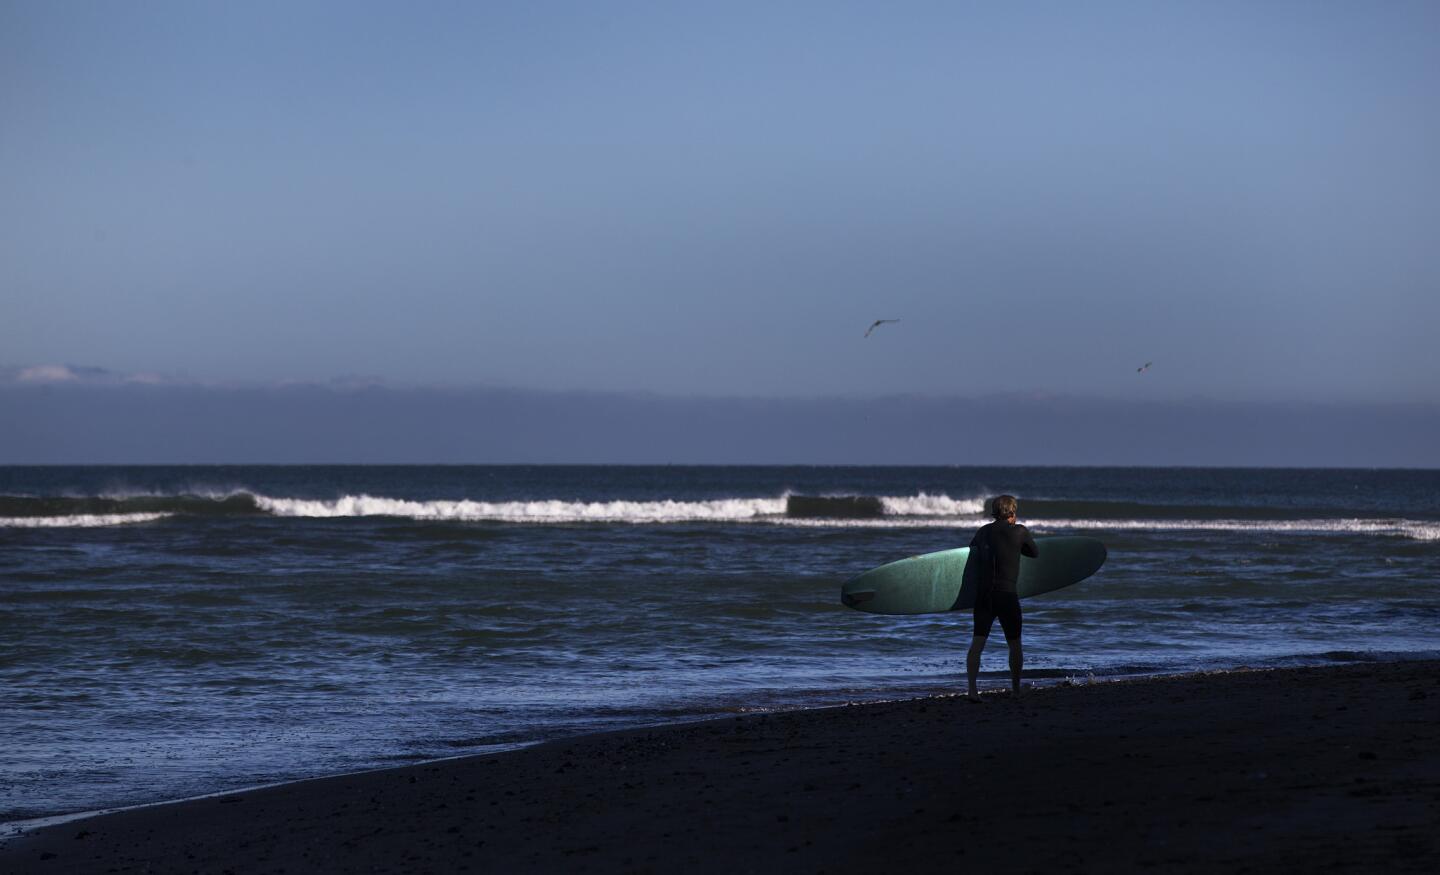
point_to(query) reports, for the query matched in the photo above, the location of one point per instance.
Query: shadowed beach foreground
(1333, 769)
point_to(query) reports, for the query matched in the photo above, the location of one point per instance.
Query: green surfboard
(939, 582)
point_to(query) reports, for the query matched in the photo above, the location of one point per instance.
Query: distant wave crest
(118, 508)
(1420, 531)
(859, 511)
(732, 509)
(932, 505)
(80, 520)
(1413, 529)
(555, 511)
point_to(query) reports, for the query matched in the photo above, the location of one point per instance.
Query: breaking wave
(734, 509)
(115, 509)
(863, 511)
(80, 520)
(933, 505)
(1414, 529)
(880, 506)
(1418, 530)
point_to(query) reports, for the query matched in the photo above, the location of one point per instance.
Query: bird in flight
(1145, 368)
(876, 324)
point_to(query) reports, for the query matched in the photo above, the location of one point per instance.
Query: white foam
(1420, 531)
(931, 505)
(901, 511)
(555, 511)
(729, 510)
(888, 522)
(80, 520)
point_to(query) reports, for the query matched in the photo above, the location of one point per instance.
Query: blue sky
(717, 199)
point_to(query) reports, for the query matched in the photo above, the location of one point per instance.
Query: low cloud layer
(40, 375)
(53, 418)
(90, 375)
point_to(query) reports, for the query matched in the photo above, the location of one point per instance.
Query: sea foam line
(81, 520)
(913, 511)
(556, 511)
(1420, 531)
(931, 505)
(734, 509)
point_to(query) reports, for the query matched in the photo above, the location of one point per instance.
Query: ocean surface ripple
(172, 631)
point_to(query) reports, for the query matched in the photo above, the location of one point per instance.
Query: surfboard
(937, 582)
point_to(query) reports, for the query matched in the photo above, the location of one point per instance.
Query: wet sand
(1318, 769)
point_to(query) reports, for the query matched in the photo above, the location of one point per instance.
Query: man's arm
(1028, 548)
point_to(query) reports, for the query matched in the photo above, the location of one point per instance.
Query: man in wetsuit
(998, 547)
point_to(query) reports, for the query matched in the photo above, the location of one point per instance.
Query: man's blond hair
(1004, 506)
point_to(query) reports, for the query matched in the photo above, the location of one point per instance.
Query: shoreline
(1298, 768)
(998, 680)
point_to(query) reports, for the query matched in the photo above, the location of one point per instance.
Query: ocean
(172, 631)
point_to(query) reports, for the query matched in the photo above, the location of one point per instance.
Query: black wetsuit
(999, 545)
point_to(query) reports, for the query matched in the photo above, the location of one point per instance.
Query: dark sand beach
(1311, 769)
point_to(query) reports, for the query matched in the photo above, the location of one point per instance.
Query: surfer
(998, 546)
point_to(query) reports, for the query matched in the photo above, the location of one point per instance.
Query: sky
(702, 200)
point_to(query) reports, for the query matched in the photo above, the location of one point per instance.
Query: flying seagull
(877, 323)
(1145, 368)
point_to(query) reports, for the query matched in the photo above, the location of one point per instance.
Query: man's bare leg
(972, 664)
(1017, 659)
